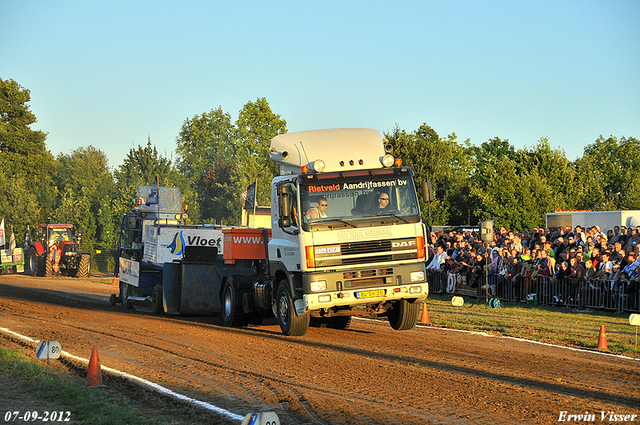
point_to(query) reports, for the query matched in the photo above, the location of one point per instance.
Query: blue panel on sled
(171, 278)
(200, 290)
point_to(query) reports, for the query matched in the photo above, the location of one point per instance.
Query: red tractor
(55, 251)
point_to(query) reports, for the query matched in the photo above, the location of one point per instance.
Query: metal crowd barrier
(572, 293)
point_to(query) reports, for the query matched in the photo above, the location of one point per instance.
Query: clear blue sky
(112, 73)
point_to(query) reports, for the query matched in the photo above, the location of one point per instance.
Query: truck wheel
(232, 314)
(124, 293)
(290, 323)
(404, 315)
(84, 267)
(32, 262)
(156, 300)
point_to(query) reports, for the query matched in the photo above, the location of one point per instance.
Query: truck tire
(156, 300)
(84, 267)
(232, 314)
(32, 262)
(290, 323)
(404, 315)
(124, 293)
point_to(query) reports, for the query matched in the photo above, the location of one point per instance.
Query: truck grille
(363, 252)
(365, 247)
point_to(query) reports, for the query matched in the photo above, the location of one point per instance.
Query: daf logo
(403, 244)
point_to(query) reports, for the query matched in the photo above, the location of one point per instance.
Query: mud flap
(300, 307)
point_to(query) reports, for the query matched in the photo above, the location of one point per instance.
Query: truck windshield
(358, 199)
(168, 199)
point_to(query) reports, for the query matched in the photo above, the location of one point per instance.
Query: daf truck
(346, 239)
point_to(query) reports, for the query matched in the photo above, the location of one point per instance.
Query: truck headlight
(387, 160)
(415, 290)
(417, 277)
(318, 285)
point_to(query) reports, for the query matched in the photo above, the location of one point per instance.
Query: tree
(552, 170)
(617, 165)
(18, 204)
(257, 124)
(139, 168)
(205, 155)
(86, 189)
(221, 159)
(22, 150)
(441, 161)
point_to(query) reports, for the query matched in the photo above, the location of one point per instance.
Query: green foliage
(441, 161)
(139, 168)
(220, 159)
(618, 166)
(85, 185)
(18, 204)
(24, 159)
(205, 154)
(255, 127)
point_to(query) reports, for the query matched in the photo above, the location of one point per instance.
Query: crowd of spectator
(582, 259)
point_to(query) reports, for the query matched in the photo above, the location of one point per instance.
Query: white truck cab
(347, 235)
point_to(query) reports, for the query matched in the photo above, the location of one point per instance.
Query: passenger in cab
(319, 210)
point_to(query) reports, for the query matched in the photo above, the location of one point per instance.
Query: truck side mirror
(427, 191)
(284, 209)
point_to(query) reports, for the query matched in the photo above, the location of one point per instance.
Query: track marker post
(634, 320)
(48, 350)
(262, 418)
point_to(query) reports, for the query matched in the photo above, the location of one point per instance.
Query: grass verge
(34, 387)
(550, 324)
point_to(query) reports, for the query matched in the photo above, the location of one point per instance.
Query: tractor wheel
(84, 267)
(32, 262)
(48, 267)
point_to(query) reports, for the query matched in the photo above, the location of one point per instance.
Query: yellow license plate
(370, 294)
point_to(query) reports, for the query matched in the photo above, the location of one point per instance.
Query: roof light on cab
(318, 165)
(387, 160)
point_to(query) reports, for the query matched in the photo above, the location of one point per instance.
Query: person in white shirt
(319, 210)
(438, 259)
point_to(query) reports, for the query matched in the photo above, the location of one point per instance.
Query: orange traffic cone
(425, 314)
(602, 339)
(115, 280)
(94, 373)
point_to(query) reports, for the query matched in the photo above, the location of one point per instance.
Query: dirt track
(368, 374)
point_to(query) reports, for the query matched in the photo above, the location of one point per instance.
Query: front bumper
(326, 300)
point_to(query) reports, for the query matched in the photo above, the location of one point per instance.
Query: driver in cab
(383, 206)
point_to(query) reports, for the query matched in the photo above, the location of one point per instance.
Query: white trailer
(606, 220)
